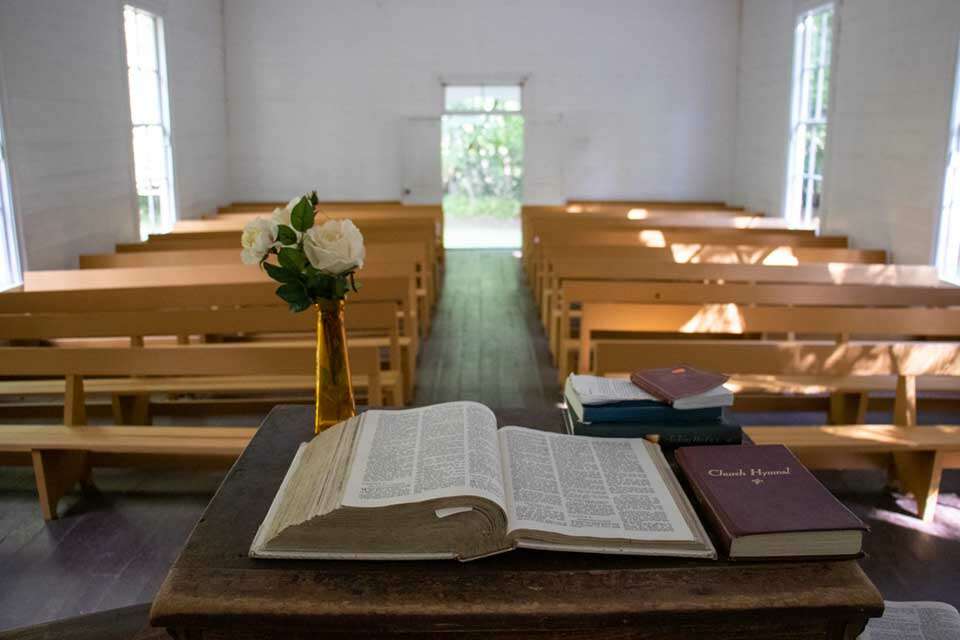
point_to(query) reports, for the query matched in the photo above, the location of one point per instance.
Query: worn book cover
(762, 502)
(673, 383)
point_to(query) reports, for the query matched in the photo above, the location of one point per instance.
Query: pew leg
(56, 472)
(848, 407)
(131, 409)
(919, 473)
(905, 404)
(74, 402)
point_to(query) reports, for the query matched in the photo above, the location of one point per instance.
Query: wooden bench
(376, 253)
(592, 241)
(62, 454)
(265, 325)
(918, 454)
(606, 282)
(838, 324)
(565, 262)
(390, 286)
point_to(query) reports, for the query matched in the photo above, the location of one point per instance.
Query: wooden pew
(63, 454)
(380, 281)
(837, 324)
(94, 326)
(605, 282)
(918, 454)
(380, 258)
(587, 241)
(566, 262)
(180, 287)
(242, 207)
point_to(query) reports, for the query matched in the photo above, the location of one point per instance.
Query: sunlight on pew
(652, 238)
(575, 209)
(715, 318)
(638, 214)
(781, 256)
(745, 222)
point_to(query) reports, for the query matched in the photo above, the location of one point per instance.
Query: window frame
(799, 177)
(156, 13)
(480, 112)
(10, 236)
(947, 257)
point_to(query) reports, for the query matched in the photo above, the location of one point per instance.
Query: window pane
(482, 98)
(130, 34)
(144, 97)
(146, 41)
(464, 98)
(10, 274)
(149, 158)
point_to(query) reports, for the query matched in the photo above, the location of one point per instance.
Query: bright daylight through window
(10, 271)
(948, 251)
(482, 164)
(808, 131)
(150, 114)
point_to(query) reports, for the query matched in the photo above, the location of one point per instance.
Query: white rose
(258, 237)
(281, 215)
(334, 247)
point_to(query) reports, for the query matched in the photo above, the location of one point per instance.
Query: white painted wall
(891, 122)
(195, 66)
(644, 91)
(67, 120)
(889, 125)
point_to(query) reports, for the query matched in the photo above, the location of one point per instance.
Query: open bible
(444, 482)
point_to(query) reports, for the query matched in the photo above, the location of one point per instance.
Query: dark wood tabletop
(214, 590)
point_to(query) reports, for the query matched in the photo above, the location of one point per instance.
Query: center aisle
(486, 343)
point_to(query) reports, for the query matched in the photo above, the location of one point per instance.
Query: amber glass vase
(334, 390)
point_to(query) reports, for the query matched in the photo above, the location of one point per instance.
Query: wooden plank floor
(486, 342)
(112, 549)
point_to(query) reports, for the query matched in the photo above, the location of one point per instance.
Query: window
(10, 273)
(808, 122)
(150, 115)
(948, 251)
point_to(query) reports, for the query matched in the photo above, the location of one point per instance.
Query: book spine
(716, 522)
(651, 415)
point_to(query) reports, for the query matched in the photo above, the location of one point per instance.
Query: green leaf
(281, 274)
(286, 235)
(314, 200)
(295, 295)
(292, 259)
(302, 215)
(321, 286)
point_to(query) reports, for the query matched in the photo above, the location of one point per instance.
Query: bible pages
(444, 482)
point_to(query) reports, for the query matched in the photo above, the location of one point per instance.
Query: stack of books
(618, 408)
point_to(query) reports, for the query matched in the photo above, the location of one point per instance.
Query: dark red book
(673, 383)
(762, 503)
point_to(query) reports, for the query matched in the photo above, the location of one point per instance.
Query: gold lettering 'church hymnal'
(444, 482)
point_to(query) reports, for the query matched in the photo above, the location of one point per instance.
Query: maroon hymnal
(672, 383)
(762, 503)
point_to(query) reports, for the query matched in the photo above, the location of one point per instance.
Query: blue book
(645, 414)
(719, 431)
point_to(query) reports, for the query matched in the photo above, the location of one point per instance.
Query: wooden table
(215, 591)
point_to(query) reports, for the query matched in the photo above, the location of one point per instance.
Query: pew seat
(917, 454)
(63, 456)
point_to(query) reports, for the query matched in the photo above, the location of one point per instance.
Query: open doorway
(482, 166)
